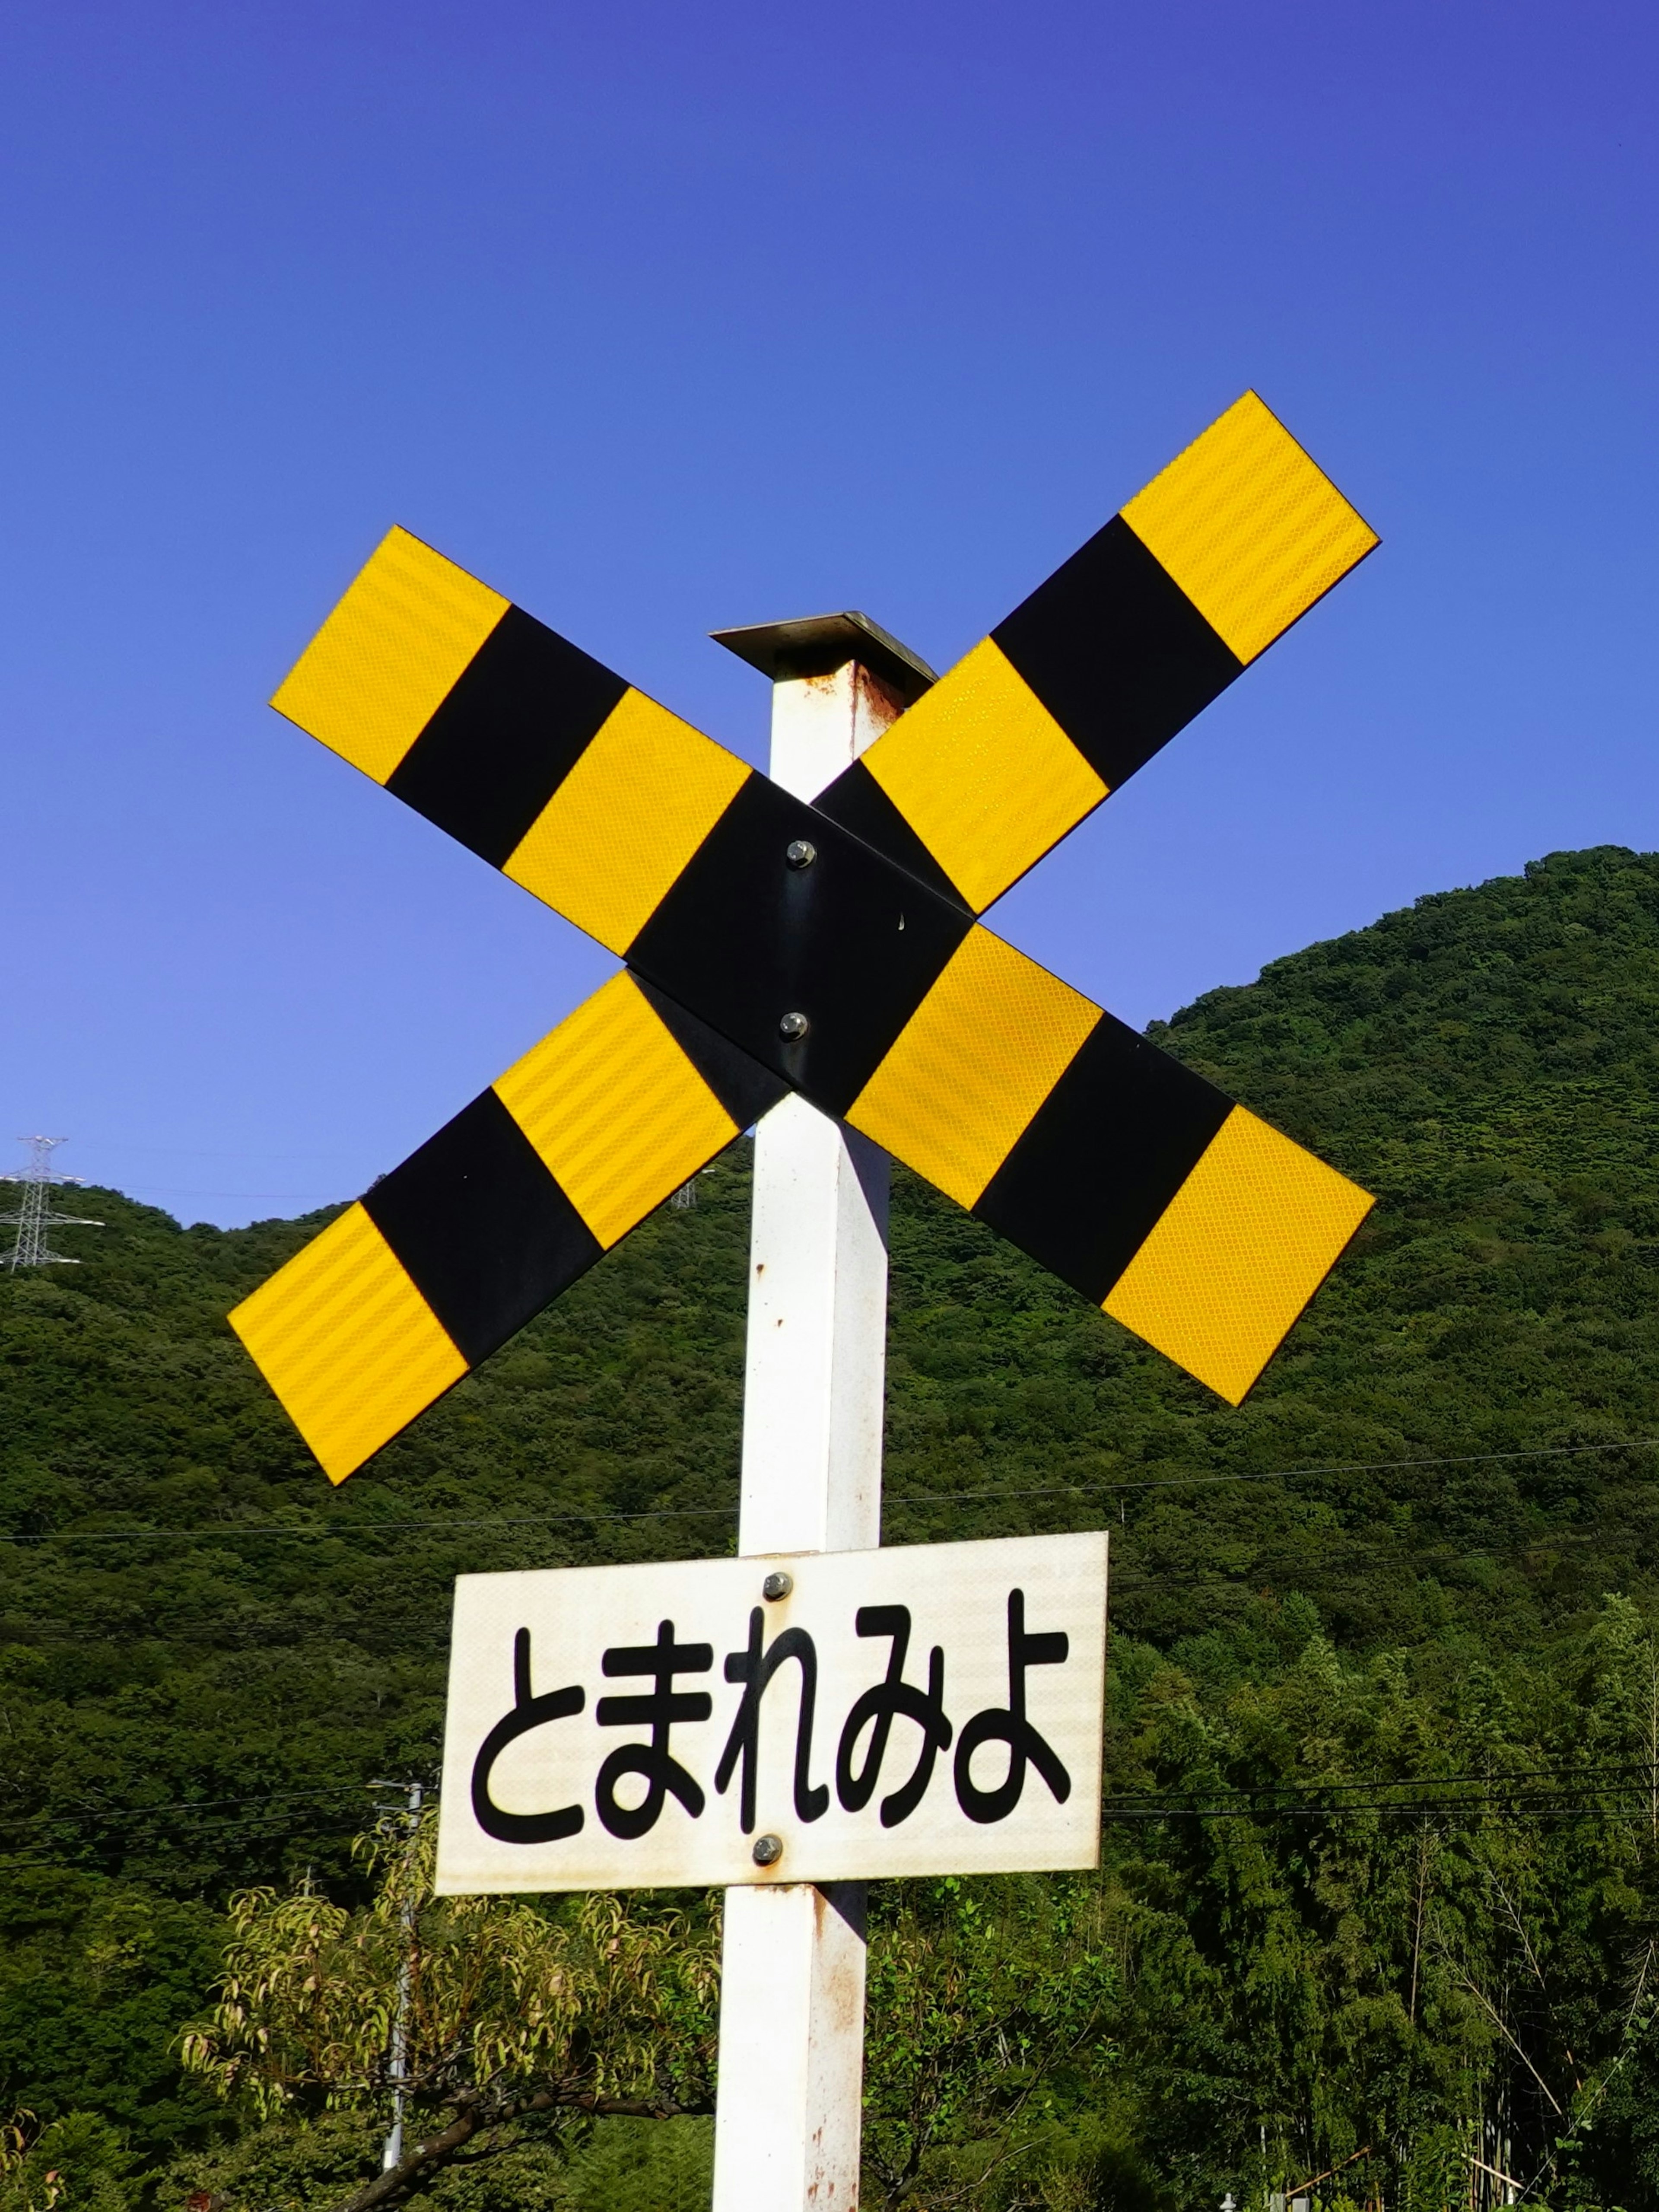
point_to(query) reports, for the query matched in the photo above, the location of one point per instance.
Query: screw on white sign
(934, 1710)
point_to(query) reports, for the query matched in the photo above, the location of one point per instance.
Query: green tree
(527, 2021)
(988, 2006)
(1364, 1917)
(517, 2015)
(1391, 1563)
(80, 2162)
(95, 1975)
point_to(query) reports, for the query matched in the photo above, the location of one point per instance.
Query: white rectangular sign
(934, 1709)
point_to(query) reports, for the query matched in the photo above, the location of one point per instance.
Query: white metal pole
(786, 2127)
(392, 2150)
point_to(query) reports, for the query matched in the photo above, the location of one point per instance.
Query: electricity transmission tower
(35, 1217)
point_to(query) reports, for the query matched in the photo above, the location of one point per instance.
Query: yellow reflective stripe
(617, 1113)
(612, 841)
(347, 1343)
(1241, 1248)
(389, 654)
(1248, 527)
(984, 774)
(973, 1064)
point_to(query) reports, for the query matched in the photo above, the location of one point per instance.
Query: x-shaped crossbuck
(830, 949)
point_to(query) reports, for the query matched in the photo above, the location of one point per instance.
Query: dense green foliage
(1423, 1554)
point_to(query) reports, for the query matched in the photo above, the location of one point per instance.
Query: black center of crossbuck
(814, 969)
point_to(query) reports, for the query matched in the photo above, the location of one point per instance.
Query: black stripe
(1102, 1158)
(744, 1087)
(1117, 653)
(486, 1234)
(858, 802)
(851, 941)
(507, 736)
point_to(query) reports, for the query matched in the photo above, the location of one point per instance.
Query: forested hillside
(1379, 1888)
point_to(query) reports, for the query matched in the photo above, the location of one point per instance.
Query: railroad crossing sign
(805, 953)
(832, 950)
(937, 1710)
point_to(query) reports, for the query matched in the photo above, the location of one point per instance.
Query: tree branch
(425, 2157)
(1481, 1997)
(474, 2110)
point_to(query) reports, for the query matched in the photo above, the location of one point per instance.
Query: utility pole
(788, 2118)
(34, 1218)
(391, 2153)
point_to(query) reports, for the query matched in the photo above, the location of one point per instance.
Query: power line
(207, 1831)
(1278, 1567)
(1270, 1570)
(1290, 1475)
(391, 1525)
(1271, 1574)
(1288, 1572)
(191, 1190)
(47, 1853)
(1493, 1784)
(1487, 1791)
(365, 1527)
(149, 1818)
(123, 1144)
(1493, 1808)
(1511, 1816)
(183, 1805)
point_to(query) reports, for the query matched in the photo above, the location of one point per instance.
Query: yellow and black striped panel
(347, 1343)
(451, 1254)
(1101, 666)
(531, 752)
(1128, 1176)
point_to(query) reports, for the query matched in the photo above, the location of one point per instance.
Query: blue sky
(663, 318)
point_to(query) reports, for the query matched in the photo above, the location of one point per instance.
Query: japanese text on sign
(934, 1710)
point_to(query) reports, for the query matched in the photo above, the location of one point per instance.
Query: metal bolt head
(777, 1584)
(792, 1028)
(800, 853)
(769, 1850)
